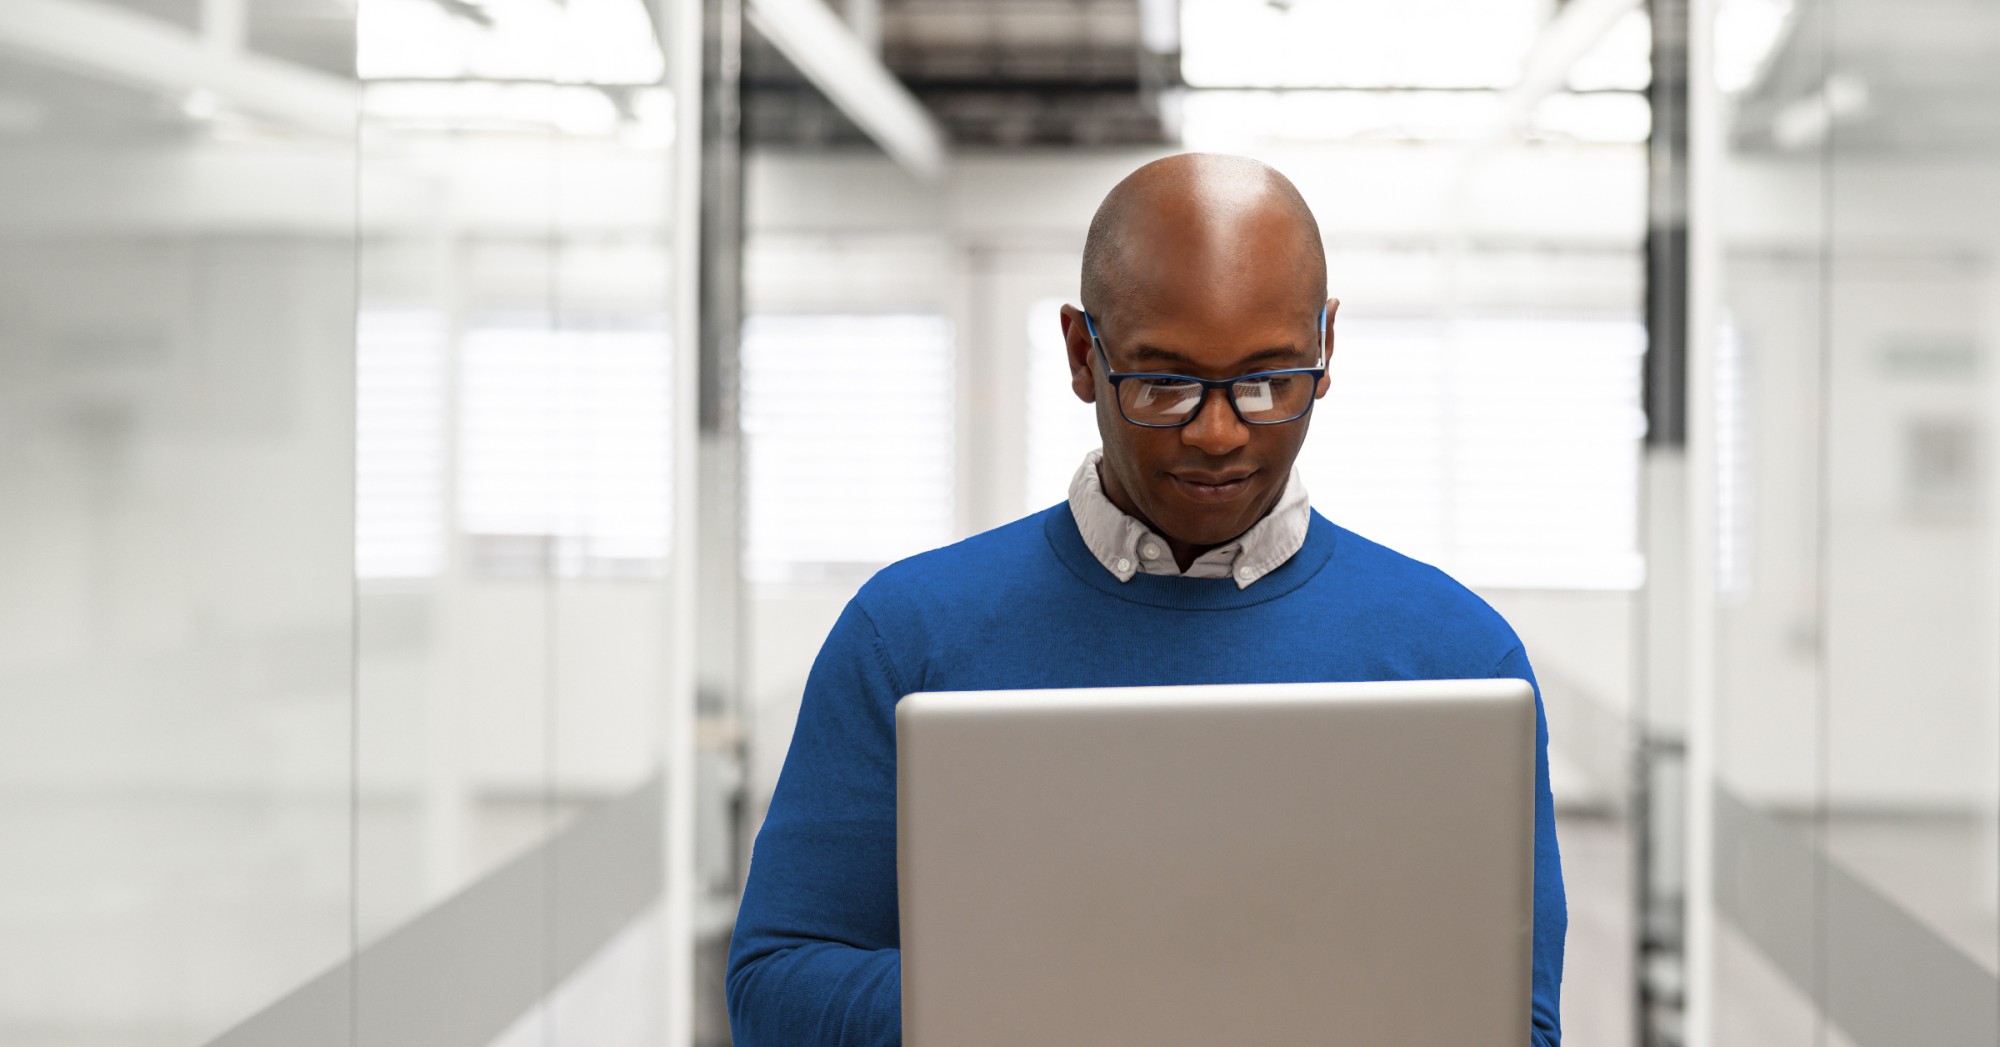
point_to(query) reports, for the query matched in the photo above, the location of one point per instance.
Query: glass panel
(1769, 419)
(1913, 596)
(516, 479)
(612, 624)
(456, 476)
(176, 471)
(1910, 588)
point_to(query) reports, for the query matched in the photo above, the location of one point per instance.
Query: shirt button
(1151, 551)
(1124, 565)
(1246, 573)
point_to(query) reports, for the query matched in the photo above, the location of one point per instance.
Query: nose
(1215, 429)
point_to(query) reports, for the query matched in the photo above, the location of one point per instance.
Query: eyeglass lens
(1167, 401)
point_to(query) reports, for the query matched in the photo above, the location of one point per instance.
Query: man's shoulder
(1398, 587)
(985, 567)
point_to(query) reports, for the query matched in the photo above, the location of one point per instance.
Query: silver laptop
(1270, 864)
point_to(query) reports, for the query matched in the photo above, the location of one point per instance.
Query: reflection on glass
(1913, 703)
(1858, 595)
(1768, 625)
(176, 462)
(516, 178)
(227, 471)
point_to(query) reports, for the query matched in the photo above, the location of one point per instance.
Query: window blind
(847, 422)
(565, 443)
(399, 443)
(1061, 428)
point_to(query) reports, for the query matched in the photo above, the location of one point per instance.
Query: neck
(1185, 553)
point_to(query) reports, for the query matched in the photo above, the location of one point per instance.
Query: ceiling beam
(1565, 39)
(113, 44)
(828, 53)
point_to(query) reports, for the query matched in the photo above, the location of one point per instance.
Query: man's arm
(1551, 908)
(814, 961)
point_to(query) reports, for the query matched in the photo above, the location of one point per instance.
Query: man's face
(1202, 484)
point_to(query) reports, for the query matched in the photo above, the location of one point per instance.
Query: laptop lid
(1342, 863)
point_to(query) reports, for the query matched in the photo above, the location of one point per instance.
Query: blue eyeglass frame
(1227, 385)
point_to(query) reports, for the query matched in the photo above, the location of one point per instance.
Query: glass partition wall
(1856, 614)
(337, 560)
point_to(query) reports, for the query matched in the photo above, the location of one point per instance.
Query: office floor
(1597, 993)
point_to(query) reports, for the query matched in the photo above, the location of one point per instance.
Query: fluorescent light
(1357, 43)
(1239, 119)
(1622, 61)
(1230, 120)
(482, 106)
(580, 42)
(1747, 32)
(1607, 117)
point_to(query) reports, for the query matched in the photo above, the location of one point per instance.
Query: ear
(1326, 380)
(1076, 341)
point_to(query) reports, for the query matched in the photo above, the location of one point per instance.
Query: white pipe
(682, 25)
(1706, 148)
(1563, 42)
(114, 44)
(829, 54)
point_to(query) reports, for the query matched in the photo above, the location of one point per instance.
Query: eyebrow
(1155, 354)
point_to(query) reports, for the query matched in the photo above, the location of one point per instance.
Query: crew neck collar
(1193, 594)
(1128, 548)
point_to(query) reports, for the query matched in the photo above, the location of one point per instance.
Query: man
(1185, 554)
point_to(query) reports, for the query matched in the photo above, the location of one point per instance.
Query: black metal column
(1666, 229)
(721, 635)
(1659, 817)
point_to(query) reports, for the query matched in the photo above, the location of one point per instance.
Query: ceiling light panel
(1612, 117)
(1358, 43)
(1747, 34)
(1237, 120)
(576, 42)
(487, 106)
(1232, 121)
(1622, 61)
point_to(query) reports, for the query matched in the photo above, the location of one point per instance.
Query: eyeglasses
(1169, 401)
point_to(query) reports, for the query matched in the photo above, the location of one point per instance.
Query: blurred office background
(435, 436)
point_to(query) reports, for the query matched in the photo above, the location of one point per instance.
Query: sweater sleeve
(1551, 907)
(814, 960)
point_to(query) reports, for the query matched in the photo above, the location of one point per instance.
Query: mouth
(1212, 487)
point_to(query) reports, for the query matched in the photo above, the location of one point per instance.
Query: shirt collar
(1127, 547)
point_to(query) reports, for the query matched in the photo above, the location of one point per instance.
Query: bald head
(1200, 215)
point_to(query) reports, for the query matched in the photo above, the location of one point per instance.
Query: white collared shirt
(1127, 547)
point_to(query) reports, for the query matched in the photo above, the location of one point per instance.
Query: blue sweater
(814, 961)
